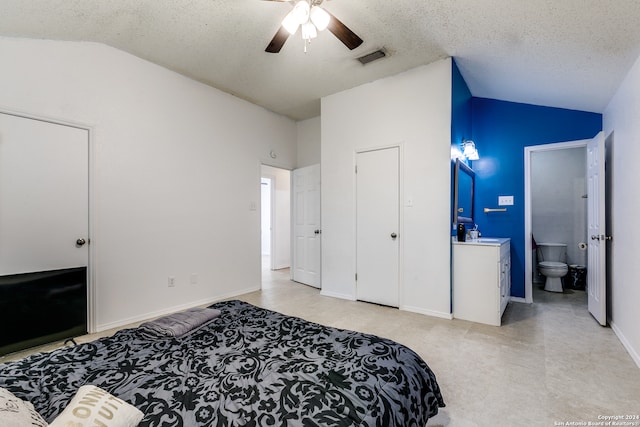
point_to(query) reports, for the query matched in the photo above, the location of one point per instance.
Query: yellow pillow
(93, 406)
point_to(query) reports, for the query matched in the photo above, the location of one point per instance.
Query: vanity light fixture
(456, 153)
(469, 149)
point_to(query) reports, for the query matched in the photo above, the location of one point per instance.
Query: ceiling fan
(312, 18)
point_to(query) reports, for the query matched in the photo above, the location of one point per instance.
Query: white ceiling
(562, 53)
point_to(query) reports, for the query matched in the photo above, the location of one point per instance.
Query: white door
(377, 217)
(306, 225)
(44, 195)
(596, 265)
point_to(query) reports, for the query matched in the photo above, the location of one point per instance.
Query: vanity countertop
(484, 241)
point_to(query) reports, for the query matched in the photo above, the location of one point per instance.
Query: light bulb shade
(319, 17)
(474, 155)
(468, 147)
(301, 11)
(290, 23)
(309, 31)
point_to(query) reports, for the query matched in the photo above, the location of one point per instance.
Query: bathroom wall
(460, 118)
(558, 205)
(460, 108)
(501, 130)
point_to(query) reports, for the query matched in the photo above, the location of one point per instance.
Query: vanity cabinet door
(505, 277)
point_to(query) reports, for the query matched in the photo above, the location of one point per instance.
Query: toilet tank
(552, 252)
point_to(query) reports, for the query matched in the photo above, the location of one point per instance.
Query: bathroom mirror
(463, 186)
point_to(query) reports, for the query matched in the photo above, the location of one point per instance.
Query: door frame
(91, 273)
(528, 262)
(272, 211)
(400, 147)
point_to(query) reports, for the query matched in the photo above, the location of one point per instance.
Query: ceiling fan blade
(343, 33)
(278, 40)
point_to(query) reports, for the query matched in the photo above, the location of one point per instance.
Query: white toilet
(552, 263)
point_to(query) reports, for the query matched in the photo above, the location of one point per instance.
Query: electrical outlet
(505, 200)
(172, 281)
(194, 278)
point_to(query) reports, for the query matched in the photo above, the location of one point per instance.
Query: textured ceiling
(563, 53)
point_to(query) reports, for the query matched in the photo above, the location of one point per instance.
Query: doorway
(44, 224)
(275, 218)
(555, 209)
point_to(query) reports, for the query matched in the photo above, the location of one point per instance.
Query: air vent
(373, 56)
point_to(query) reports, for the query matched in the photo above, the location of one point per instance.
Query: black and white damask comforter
(248, 367)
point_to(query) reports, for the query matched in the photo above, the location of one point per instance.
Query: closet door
(377, 218)
(44, 196)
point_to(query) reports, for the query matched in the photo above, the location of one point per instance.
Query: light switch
(505, 200)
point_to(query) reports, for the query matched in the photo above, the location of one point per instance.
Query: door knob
(394, 235)
(80, 242)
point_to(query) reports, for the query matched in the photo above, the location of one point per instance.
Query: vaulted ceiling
(562, 53)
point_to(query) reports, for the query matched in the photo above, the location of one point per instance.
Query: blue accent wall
(461, 125)
(460, 107)
(501, 130)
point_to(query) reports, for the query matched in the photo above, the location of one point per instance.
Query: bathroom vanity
(481, 279)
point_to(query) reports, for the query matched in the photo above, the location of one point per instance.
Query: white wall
(412, 109)
(308, 142)
(175, 172)
(281, 211)
(622, 129)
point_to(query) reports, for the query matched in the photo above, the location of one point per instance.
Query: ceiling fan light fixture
(309, 31)
(290, 23)
(313, 18)
(319, 17)
(301, 12)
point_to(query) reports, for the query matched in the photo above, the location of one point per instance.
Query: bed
(247, 367)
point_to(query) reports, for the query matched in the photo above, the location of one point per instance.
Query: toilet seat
(552, 265)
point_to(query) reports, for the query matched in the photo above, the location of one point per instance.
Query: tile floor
(549, 364)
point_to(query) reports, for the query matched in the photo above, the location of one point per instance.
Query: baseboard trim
(426, 312)
(170, 310)
(337, 295)
(625, 342)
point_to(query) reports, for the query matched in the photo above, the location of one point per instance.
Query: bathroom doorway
(555, 208)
